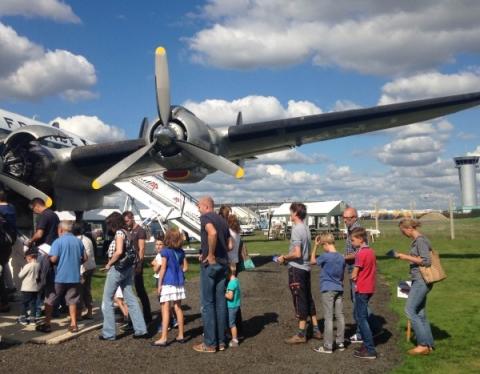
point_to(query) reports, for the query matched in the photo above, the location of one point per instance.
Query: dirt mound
(434, 216)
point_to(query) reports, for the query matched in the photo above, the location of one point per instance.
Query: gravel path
(268, 319)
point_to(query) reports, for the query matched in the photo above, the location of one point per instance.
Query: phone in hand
(391, 253)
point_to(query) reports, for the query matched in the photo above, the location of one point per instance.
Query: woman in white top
(234, 227)
(86, 270)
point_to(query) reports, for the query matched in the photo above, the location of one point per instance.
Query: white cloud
(51, 9)
(15, 49)
(222, 113)
(363, 36)
(91, 128)
(290, 156)
(29, 72)
(341, 105)
(429, 186)
(418, 144)
(476, 152)
(430, 84)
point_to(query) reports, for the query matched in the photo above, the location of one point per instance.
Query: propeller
(212, 160)
(164, 136)
(26, 190)
(117, 169)
(162, 85)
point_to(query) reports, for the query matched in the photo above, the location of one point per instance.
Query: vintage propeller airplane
(71, 173)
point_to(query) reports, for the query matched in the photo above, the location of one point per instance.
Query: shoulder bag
(433, 273)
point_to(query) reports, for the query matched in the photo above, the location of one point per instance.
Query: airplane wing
(248, 140)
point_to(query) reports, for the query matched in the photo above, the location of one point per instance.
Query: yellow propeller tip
(48, 202)
(96, 185)
(160, 51)
(240, 173)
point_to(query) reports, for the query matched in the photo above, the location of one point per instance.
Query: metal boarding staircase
(167, 202)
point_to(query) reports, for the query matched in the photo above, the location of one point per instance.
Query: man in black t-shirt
(215, 242)
(139, 236)
(47, 224)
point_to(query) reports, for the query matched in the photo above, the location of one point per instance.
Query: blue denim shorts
(232, 316)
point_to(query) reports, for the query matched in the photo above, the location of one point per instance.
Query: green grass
(453, 306)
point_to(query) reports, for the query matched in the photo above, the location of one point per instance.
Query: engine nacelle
(183, 125)
(25, 158)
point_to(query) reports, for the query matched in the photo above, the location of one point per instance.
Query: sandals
(161, 344)
(73, 329)
(181, 341)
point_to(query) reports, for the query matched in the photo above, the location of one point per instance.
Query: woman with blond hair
(420, 255)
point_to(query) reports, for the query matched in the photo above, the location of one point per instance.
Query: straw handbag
(433, 273)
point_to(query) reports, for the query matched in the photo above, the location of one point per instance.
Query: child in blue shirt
(233, 296)
(331, 287)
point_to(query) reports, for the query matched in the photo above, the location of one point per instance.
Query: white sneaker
(340, 347)
(233, 343)
(322, 349)
(356, 338)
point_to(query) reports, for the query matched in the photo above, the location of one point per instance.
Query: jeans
(371, 319)
(415, 311)
(214, 304)
(124, 279)
(232, 316)
(29, 303)
(361, 316)
(333, 300)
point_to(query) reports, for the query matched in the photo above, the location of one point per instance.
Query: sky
(89, 65)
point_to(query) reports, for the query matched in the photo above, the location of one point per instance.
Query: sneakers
(221, 347)
(364, 353)
(296, 339)
(204, 348)
(340, 346)
(356, 338)
(317, 334)
(233, 343)
(24, 321)
(323, 349)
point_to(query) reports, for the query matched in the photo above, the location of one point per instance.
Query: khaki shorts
(71, 291)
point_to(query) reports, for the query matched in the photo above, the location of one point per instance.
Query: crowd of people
(60, 263)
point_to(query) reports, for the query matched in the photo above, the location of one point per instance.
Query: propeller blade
(212, 160)
(162, 85)
(26, 190)
(117, 169)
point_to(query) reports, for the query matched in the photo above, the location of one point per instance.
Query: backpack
(129, 256)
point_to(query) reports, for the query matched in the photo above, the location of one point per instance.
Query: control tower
(467, 171)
